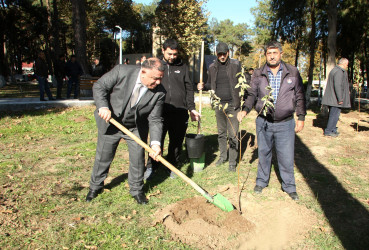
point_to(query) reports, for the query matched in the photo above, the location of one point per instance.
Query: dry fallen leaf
(224, 189)
(124, 245)
(154, 194)
(91, 247)
(211, 177)
(134, 212)
(78, 219)
(136, 242)
(6, 211)
(347, 181)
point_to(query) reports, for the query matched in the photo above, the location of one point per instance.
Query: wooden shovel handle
(161, 159)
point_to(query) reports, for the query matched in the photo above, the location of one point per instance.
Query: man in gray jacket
(276, 126)
(134, 97)
(336, 95)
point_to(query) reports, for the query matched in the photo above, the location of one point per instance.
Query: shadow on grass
(347, 216)
(41, 112)
(361, 128)
(211, 147)
(116, 181)
(320, 121)
(248, 141)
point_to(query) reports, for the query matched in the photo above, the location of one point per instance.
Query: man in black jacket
(282, 84)
(42, 72)
(179, 100)
(74, 71)
(60, 74)
(222, 79)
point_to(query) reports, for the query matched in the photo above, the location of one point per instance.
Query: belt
(271, 120)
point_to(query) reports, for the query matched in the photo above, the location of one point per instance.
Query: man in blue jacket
(282, 83)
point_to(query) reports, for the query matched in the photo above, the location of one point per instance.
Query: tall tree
(312, 46)
(263, 15)
(332, 9)
(79, 25)
(183, 20)
(234, 35)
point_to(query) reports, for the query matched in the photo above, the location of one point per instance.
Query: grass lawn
(46, 159)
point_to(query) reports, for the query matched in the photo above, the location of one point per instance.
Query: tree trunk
(48, 39)
(366, 63)
(297, 53)
(332, 34)
(56, 29)
(312, 53)
(79, 25)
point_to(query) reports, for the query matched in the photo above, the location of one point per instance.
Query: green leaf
(230, 115)
(226, 106)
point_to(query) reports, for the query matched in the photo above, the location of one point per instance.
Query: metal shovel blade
(221, 202)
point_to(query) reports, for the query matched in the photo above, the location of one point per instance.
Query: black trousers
(175, 124)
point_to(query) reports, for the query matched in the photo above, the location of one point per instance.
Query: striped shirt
(275, 82)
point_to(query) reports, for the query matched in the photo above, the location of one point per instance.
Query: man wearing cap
(222, 80)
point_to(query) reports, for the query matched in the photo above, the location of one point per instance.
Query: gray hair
(342, 61)
(153, 63)
(273, 45)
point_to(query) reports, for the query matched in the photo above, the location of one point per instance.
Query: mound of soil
(197, 222)
(264, 224)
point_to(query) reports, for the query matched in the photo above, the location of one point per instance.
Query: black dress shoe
(92, 194)
(43, 100)
(294, 196)
(141, 199)
(232, 168)
(220, 162)
(258, 189)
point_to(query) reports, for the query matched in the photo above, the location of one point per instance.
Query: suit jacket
(114, 89)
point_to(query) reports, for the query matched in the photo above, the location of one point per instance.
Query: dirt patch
(263, 225)
(81, 119)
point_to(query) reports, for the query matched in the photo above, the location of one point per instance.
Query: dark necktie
(135, 95)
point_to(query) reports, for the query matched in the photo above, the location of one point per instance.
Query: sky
(237, 11)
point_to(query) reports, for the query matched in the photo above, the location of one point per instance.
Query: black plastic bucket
(195, 145)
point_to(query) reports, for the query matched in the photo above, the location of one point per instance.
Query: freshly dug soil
(264, 224)
(197, 222)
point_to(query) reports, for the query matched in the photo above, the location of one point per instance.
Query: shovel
(218, 199)
(200, 91)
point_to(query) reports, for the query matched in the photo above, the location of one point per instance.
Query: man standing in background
(223, 80)
(336, 95)
(42, 72)
(179, 100)
(60, 74)
(74, 71)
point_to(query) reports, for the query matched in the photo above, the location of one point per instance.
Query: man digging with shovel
(135, 98)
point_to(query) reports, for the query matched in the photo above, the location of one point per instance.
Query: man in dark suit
(134, 97)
